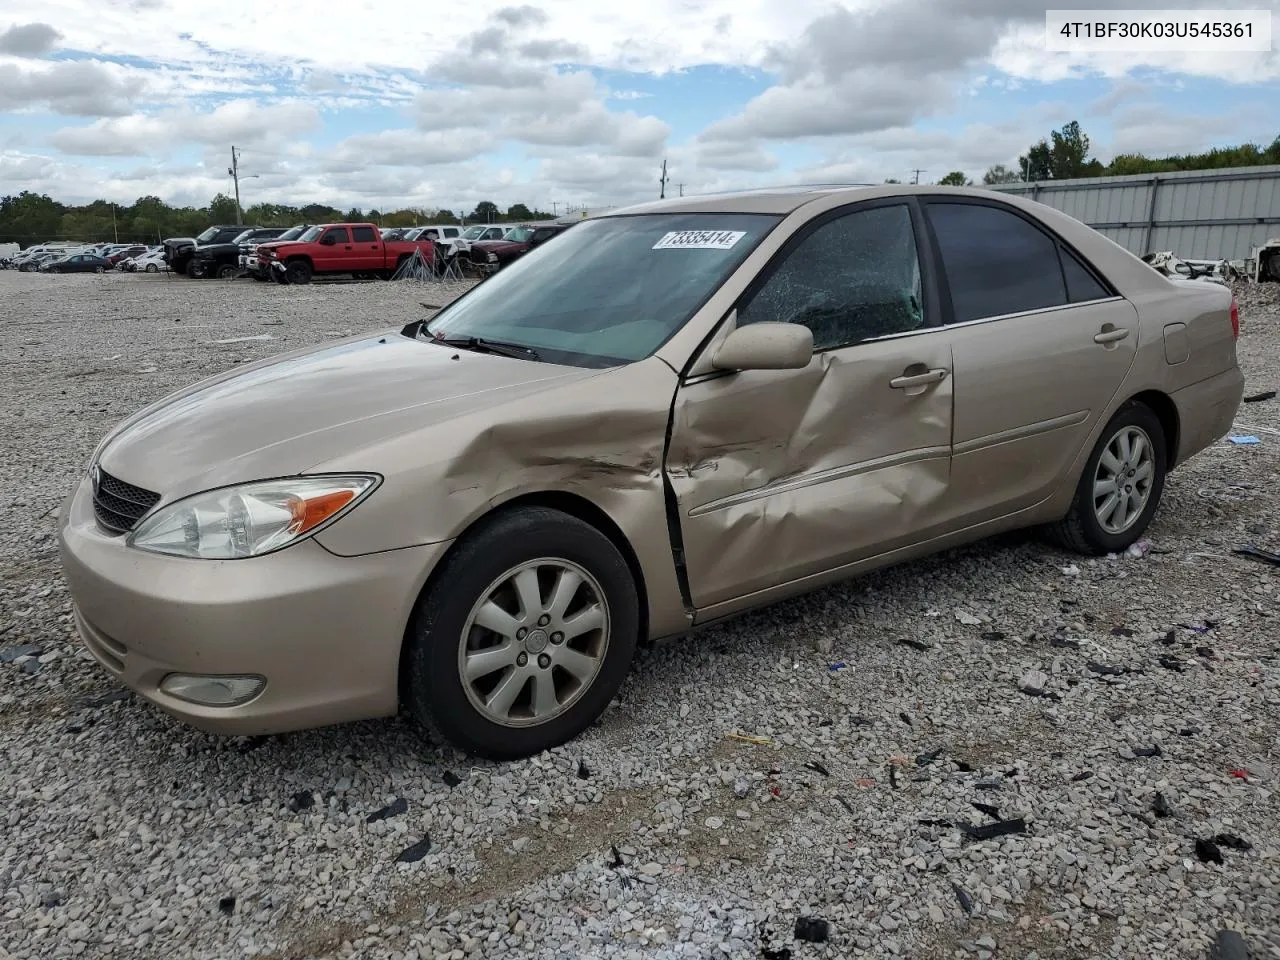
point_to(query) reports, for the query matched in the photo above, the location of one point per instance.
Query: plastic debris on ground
(1259, 397)
(812, 929)
(1253, 553)
(745, 738)
(393, 809)
(1242, 441)
(1138, 550)
(416, 852)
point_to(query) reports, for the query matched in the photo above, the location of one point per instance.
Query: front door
(783, 474)
(335, 256)
(1041, 346)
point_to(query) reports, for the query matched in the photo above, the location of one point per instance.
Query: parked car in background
(32, 263)
(180, 250)
(489, 255)
(150, 262)
(638, 428)
(78, 263)
(339, 248)
(124, 253)
(251, 253)
(477, 231)
(222, 259)
(437, 232)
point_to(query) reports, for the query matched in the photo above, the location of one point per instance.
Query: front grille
(119, 505)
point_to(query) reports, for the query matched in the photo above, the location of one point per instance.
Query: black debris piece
(227, 905)
(915, 644)
(10, 654)
(924, 759)
(302, 800)
(989, 831)
(817, 767)
(254, 742)
(1208, 851)
(1232, 842)
(988, 784)
(1106, 670)
(1154, 751)
(904, 718)
(858, 720)
(1064, 643)
(1171, 663)
(416, 852)
(993, 636)
(1259, 397)
(393, 809)
(101, 701)
(931, 822)
(450, 778)
(1188, 731)
(618, 863)
(1169, 638)
(782, 953)
(1056, 755)
(1208, 624)
(962, 766)
(1206, 652)
(31, 667)
(966, 901)
(51, 901)
(812, 929)
(584, 772)
(893, 776)
(1160, 806)
(844, 803)
(1121, 632)
(1263, 556)
(991, 811)
(1229, 945)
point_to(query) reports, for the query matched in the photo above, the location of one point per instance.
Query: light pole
(233, 172)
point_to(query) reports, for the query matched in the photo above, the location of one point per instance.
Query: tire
(1082, 530)
(226, 272)
(195, 271)
(99, 269)
(152, 268)
(298, 271)
(449, 706)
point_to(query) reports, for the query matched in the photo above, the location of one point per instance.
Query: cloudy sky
(384, 103)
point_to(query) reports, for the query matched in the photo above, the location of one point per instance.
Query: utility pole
(681, 189)
(114, 229)
(662, 181)
(234, 171)
(916, 176)
(554, 211)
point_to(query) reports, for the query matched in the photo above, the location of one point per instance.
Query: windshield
(207, 235)
(243, 237)
(311, 234)
(609, 291)
(291, 234)
(392, 234)
(519, 234)
(471, 233)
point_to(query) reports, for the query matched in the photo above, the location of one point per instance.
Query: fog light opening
(213, 691)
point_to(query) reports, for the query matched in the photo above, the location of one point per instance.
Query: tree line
(30, 218)
(1065, 154)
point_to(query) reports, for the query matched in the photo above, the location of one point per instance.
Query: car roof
(784, 200)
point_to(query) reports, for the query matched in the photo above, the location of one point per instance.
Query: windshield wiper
(484, 345)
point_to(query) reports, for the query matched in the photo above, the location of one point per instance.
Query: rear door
(367, 249)
(784, 474)
(1042, 344)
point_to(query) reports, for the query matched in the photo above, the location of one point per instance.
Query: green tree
(222, 209)
(955, 178)
(30, 218)
(1000, 174)
(486, 211)
(891, 180)
(518, 211)
(355, 215)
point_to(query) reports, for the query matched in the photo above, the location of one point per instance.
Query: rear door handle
(907, 382)
(1114, 335)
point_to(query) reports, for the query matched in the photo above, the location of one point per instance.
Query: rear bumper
(1206, 411)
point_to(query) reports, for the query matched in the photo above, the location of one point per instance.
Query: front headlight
(251, 519)
(493, 258)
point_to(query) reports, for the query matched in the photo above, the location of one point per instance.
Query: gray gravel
(657, 834)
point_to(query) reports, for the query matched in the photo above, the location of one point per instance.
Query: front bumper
(325, 631)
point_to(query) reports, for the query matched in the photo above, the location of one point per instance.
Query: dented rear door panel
(777, 475)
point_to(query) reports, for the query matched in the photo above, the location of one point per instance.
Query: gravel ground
(889, 708)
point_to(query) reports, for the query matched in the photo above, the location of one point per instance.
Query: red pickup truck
(339, 248)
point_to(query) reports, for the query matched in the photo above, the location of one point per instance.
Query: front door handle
(910, 381)
(347, 247)
(1110, 334)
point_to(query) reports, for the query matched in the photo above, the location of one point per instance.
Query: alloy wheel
(1123, 481)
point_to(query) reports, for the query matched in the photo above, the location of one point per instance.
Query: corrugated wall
(1198, 214)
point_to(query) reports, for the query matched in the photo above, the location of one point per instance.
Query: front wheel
(524, 637)
(1120, 487)
(298, 271)
(99, 269)
(195, 271)
(227, 272)
(152, 268)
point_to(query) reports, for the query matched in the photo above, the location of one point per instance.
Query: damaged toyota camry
(661, 418)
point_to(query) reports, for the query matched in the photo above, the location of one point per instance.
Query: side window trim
(930, 276)
(935, 253)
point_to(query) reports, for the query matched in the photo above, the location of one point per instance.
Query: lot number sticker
(699, 240)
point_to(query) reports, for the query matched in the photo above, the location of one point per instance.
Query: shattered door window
(854, 278)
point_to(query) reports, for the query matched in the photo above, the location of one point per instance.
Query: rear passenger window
(363, 235)
(995, 262)
(1082, 285)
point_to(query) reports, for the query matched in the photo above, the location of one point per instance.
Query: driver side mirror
(765, 346)
(328, 240)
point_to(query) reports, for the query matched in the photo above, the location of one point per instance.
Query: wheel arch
(1166, 411)
(572, 505)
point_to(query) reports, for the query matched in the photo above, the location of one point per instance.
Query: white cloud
(76, 88)
(29, 40)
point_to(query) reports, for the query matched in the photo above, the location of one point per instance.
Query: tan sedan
(660, 418)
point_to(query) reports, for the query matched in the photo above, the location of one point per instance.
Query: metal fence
(1198, 214)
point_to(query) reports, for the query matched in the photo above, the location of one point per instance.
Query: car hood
(285, 415)
(498, 244)
(214, 249)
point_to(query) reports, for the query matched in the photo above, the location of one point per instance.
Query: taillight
(1235, 319)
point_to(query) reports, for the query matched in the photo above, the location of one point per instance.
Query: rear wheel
(194, 270)
(1121, 485)
(298, 271)
(525, 636)
(99, 268)
(152, 268)
(227, 272)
